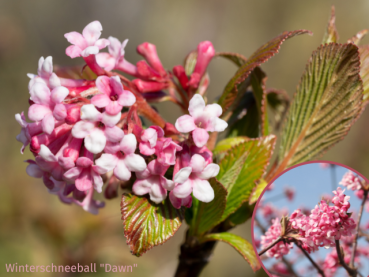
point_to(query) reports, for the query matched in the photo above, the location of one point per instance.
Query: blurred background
(35, 227)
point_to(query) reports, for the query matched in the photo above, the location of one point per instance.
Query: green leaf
(206, 215)
(147, 224)
(236, 58)
(226, 144)
(253, 156)
(262, 184)
(331, 34)
(327, 102)
(261, 55)
(190, 62)
(279, 102)
(364, 71)
(240, 216)
(242, 246)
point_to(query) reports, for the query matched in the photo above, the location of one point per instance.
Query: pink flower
(148, 51)
(86, 175)
(45, 74)
(28, 130)
(179, 202)
(123, 160)
(89, 204)
(113, 97)
(201, 120)
(149, 137)
(87, 43)
(351, 181)
(193, 178)
(48, 107)
(324, 165)
(340, 200)
(153, 182)
(290, 193)
(97, 128)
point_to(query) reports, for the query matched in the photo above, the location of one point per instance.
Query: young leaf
(357, 38)
(327, 102)
(147, 224)
(256, 192)
(240, 244)
(236, 58)
(364, 71)
(261, 55)
(207, 215)
(241, 167)
(226, 144)
(331, 34)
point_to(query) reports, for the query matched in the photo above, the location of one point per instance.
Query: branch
(352, 272)
(354, 245)
(270, 246)
(364, 235)
(321, 272)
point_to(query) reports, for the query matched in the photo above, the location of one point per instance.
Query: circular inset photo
(313, 220)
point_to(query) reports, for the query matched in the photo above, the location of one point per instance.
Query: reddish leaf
(238, 59)
(357, 38)
(331, 34)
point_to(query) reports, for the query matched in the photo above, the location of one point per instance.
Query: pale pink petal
(90, 50)
(110, 120)
(103, 85)
(145, 149)
(92, 32)
(60, 112)
(54, 81)
(34, 170)
(58, 94)
(47, 66)
(102, 43)
(176, 202)
(143, 174)
(66, 162)
(124, 44)
(73, 51)
(215, 110)
(100, 100)
(165, 183)
(202, 190)
(40, 94)
(112, 147)
(126, 98)
(46, 154)
(157, 168)
(182, 175)
(84, 180)
(114, 47)
(142, 187)
(114, 134)
(116, 84)
(95, 141)
(90, 113)
(157, 193)
(159, 130)
(73, 173)
(77, 39)
(97, 180)
(197, 163)
(84, 162)
(183, 190)
(107, 162)
(113, 108)
(48, 123)
(37, 112)
(106, 61)
(200, 137)
(187, 201)
(219, 125)
(185, 124)
(197, 105)
(128, 144)
(211, 170)
(40, 63)
(82, 128)
(121, 171)
(135, 162)
(150, 135)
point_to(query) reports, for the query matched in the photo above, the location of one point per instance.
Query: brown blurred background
(35, 227)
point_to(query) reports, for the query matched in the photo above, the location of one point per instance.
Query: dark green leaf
(240, 244)
(147, 224)
(242, 214)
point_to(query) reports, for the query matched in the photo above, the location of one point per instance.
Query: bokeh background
(35, 227)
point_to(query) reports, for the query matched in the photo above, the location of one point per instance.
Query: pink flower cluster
(321, 228)
(82, 138)
(351, 181)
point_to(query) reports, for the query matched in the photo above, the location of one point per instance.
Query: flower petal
(142, 187)
(37, 112)
(106, 61)
(157, 193)
(48, 123)
(135, 162)
(150, 135)
(34, 170)
(219, 125)
(182, 175)
(100, 100)
(145, 149)
(183, 190)
(54, 81)
(102, 43)
(113, 108)
(185, 124)
(95, 141)
(114, 47)
(46, 154)
(58, 94)
(128, 144)
(40, 93)
(157, 168)
(121, 171)
(91, 50)
(202, 190)
(73, 51)
(106, 162)
(84, 180)
(76, 39)
(73, 173)
(197, 163)
(143, 174)
(114, 134)
(110, 120)
(92, 32)
(103, 85)
(60, 112)
(90, 113)
(126, 98)
(211, 170)
(165, 183)
(200, 137)
(215, 110)
(197, 105)
(97, 180)
(82, 128)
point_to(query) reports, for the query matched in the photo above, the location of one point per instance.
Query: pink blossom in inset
(324, 165)
(87, 43)
(202, 119)
(48, 107)
(351, 181)
(113, 97)
(271, 235)
(290, 193)
(194, 178)
(152, 181)
(97, 128)
(123, 160)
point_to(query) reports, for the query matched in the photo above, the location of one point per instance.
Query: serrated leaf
(236, 58)
(261, 55)
(147, 224)
(206, 215)
(327, 102)
(262, 184)
(255, 155)
(75, 72)
(226, 144)
(279, 102)
(364, 72)
(331, 34)
(242, 246)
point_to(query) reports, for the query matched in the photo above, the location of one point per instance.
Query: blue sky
(310, 182)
